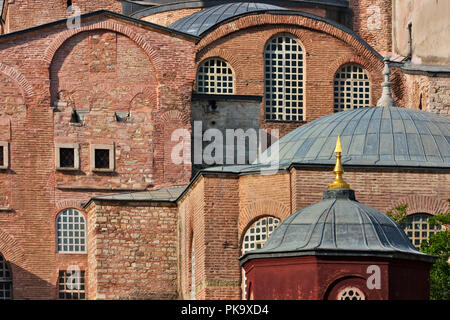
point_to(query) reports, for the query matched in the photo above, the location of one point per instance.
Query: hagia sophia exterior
(94, 94)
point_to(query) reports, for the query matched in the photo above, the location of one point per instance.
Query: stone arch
(11, 250)
(420, 203)
(260, 209)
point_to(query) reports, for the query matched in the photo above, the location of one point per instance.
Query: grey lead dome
(374, 136)
(338, 226)
(199, 22)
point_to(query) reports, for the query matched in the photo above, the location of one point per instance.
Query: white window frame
(59, 228)
(215, 85)
(5, 146)
(284, 79)
(76, 160)
(109, 147)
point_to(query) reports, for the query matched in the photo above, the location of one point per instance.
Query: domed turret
(333, 241)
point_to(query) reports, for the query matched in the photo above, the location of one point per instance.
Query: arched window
(284, 80)
(214, 76)
(351, 88)
(255, 237)
(418, 229)
(71, 231)
(5, 280)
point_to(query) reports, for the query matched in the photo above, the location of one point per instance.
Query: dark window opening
(66, 157)
(69, 3)
(2, 160)
(71, 285)
(101, 158)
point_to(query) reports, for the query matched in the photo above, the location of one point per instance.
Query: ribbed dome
(199, 22)
(338, 225)
(375, 136)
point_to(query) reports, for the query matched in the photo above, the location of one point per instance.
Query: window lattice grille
(351, 88)
(71, 284)
(5, 280)
(215, 76)
(101, 158)
(67, 157)
(71, 231)
(284, 80)
(418, 229)
(351, 293)
(255, 237)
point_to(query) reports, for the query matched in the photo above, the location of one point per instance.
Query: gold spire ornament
(338, 183)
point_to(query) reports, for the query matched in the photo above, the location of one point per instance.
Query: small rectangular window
(67, 156)
(102, 158)
(4, 164)
(71, 285)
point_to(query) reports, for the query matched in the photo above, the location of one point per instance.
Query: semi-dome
(199, 22)
(338, 226)
(374, 136)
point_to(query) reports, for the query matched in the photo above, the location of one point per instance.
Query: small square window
(102, 158)
(4, 157)
(67, 156)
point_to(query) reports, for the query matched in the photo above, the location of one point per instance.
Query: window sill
(103, 170)
(66, 169)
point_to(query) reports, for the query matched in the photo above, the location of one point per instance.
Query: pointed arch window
(71, 231)
(284, 79)
(5, 280)
(215, 76)
(351, 88)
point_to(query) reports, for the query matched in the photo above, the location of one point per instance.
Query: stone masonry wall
(133, 251)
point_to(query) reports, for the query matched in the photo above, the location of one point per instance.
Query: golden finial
(338, 183)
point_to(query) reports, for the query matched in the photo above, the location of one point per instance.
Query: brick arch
(68, 204)
(361, 48)
(22, 82)
(373, 72)
(108, 26)
(172, 115)
(425, 204)
(11, 250)
(260, 209)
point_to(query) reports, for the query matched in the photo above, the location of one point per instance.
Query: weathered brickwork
(135, 255)
(23, 14)
(166, 18)
(326, 49)
(83, 69)
(372, 20)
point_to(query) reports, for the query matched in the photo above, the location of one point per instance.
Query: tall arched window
(418, 229)
(284, 79)
(5, 280)
(71, 231)
(214, 76)
(255, 237)
(351, 88)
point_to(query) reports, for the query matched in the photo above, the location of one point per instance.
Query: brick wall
(23, 14)
(88, 69)
(372, 20)
(133, 251)
(325, 49)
